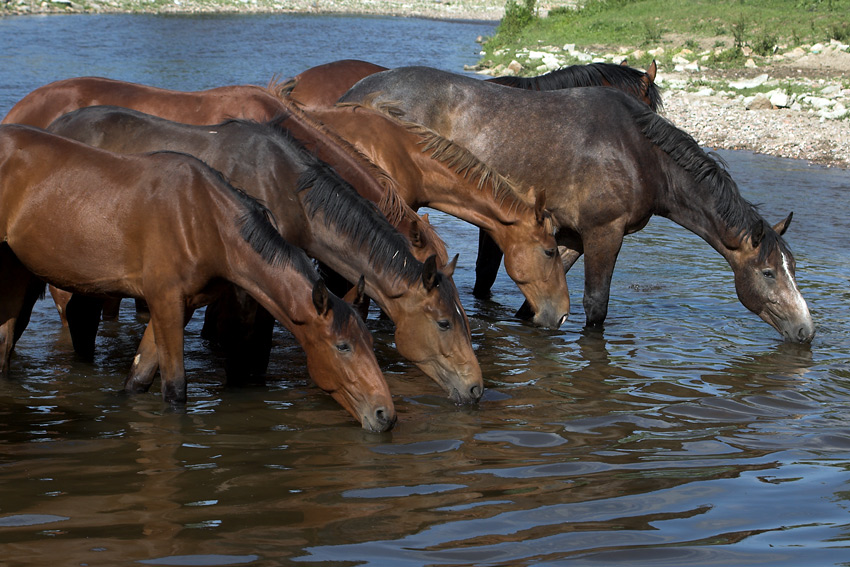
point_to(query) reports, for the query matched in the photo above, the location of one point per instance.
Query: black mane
(363, 225)
(623, 77)
(709, 172)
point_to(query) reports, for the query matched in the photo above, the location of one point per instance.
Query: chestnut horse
(607, 163)
(47, 103)
(432, 171)
(166, 228)
(318, 211)
(321, 86)
(525, 234)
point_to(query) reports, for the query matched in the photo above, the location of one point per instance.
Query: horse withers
(166, 228)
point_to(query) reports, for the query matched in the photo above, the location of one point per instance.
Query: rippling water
(686, 434)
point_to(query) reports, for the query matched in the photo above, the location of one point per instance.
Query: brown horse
(166, 228)
(607, 163)
(432, 171)
(319, 212)
(323, 85)
(45, 104)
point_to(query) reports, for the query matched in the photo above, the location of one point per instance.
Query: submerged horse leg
(83, 315)
(486, 265)
(602, 246)
(168, 319)
(19, 290)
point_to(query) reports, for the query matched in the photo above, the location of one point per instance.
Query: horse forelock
(708, 172)
(359, 220)
(281, 89)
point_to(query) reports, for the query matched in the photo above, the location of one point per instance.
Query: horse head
(766, 284)
(432, 331)
(341, 361)
(533, 262)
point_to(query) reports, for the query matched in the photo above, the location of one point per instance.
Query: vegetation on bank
(727, 31)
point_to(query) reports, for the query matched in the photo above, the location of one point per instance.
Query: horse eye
(444, 324)
(343, 347)
(768, 274)
(550, 253)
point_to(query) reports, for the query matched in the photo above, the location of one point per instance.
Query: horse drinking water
(607, 163)
(166, 228)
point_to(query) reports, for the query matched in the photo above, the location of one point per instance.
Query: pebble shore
(715, 118)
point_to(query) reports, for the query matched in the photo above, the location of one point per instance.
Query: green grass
(700, 25)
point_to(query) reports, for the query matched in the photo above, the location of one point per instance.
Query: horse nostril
(383, 417)
(476, 392)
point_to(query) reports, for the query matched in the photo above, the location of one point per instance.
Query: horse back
(109, 215)
(45, 104)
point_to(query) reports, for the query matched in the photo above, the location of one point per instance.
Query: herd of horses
(297, 203)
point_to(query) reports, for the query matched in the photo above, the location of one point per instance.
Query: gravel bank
(717, 118)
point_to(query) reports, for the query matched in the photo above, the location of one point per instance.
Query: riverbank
(793, 104)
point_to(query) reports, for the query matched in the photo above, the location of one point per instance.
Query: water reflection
(685, 433)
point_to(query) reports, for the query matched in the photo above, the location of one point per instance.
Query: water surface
(687, 433)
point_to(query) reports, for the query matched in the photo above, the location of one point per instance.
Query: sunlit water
(687, 434)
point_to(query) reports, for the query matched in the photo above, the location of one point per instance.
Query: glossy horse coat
(607, 163)
(166, 228)
(319, 212)
(432, 171)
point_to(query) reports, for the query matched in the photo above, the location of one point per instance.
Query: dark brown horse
(432, 171)
(321, 86)
(607, 163)
(166, 228)
(319, 212)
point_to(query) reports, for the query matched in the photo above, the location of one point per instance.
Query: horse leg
(83, 315)
(486, 265)
(168, 319)
(145, 364)
(60, 299)
(19, 290)
(600, 255)
(111, 308)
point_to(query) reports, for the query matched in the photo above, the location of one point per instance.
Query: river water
(686, 434)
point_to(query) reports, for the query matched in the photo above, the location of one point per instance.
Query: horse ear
(650, 72)
(425, 218)
(782, 225)
(449, 270)
(415, 235)
(540, 206)
(429, 273)
(757, 233)
(624, 63)
(321, 300)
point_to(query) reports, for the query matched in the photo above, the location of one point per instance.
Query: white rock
(749, 83)
(692, 67)
(779, 99)
(818, 102)
(750, 64)
(705, 91)
(816, 48)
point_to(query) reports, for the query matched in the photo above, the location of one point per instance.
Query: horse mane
(281, 89)
(709, 171)
(391, 204)
(627, 78)
(456, 157)
(358, 219)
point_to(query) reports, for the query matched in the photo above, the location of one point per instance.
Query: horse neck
(334, 151)
(385, 286)
(691, 206)
(283, 290)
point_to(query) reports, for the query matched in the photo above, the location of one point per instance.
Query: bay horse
(432, 171)
(607, 163)
(447, 179)
(318, 211)
(166, 228)
(47, 103)
(323, 85)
